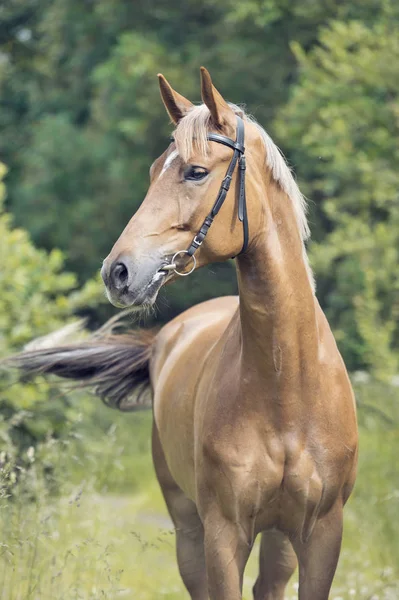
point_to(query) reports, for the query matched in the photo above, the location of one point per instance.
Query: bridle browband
(238, 156)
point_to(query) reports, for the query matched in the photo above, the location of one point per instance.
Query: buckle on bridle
(226, 183)
(197, 242)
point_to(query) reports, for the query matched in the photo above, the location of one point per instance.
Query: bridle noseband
(238, 156)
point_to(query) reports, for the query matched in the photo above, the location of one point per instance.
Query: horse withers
(254, 428)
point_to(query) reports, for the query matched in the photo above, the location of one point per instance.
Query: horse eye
(195, 173)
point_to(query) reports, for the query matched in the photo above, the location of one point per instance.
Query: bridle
(238, 156)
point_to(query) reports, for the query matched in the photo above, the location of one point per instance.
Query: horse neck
(279, 333)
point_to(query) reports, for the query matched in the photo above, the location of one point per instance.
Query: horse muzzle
(130, 283)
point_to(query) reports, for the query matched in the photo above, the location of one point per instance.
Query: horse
(254, 418)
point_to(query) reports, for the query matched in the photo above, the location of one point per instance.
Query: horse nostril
(119, 275)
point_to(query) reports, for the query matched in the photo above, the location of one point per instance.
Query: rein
(238, 157)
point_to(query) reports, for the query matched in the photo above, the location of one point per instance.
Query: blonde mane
(191, 134)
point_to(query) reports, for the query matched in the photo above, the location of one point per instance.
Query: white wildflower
(31, 454)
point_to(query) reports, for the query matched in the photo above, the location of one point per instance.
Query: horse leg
(277, 562)
(188, 526)
(189, 543)
(318, 556)
(227, 548)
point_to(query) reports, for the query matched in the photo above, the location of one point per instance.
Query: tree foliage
(37, 296)
(342, 125)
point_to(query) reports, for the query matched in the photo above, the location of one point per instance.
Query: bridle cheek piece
(238, 157)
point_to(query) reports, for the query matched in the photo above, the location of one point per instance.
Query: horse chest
(276, 483)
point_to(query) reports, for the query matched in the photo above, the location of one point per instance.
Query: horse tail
(116, 366)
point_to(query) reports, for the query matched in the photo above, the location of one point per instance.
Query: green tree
(342, 127)
(37, 296)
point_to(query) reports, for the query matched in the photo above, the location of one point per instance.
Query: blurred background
(81, 122)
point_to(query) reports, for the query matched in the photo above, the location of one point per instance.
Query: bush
(36, 298)
(342, 126)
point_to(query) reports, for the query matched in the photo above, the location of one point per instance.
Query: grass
(106, 535)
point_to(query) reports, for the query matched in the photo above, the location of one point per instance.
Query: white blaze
(169, 161)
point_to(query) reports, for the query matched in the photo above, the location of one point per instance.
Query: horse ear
(221, 112)
(176, 105)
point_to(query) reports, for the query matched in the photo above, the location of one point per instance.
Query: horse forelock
(191, 133)
(191, 136)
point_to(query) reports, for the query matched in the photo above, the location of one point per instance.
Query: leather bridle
(238, 157)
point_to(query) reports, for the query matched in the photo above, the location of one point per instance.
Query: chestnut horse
(254, 416)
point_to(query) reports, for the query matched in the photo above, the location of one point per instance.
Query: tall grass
(87, 521)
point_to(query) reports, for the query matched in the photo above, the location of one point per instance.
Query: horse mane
(191, 135)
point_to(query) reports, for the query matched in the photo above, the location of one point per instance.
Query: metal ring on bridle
(191, 256)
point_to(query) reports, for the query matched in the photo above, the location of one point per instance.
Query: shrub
(36, 298)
